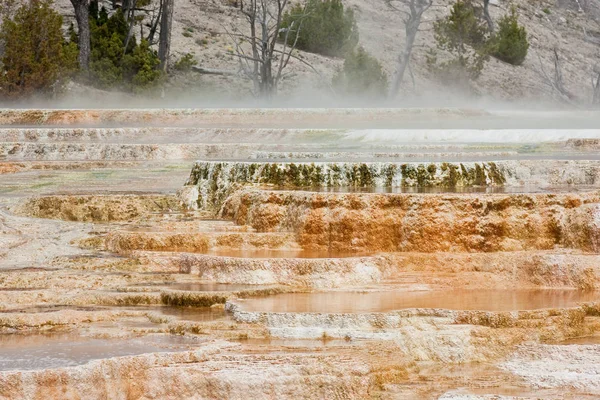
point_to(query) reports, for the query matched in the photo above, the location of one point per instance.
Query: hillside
(200, 28)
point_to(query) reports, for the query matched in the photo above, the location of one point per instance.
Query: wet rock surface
(215, 181)
(309, 254)
(423, 223)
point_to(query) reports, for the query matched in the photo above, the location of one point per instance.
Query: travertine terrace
(299, 253)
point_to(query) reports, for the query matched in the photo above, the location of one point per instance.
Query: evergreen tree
(362, 75)
(114, 66)
(322, 26)
(36, 57)
(510, 42)
(463, 35)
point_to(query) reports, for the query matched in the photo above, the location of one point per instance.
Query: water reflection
(198, 314)
(360, 302)
(42, 351)
(214, 287)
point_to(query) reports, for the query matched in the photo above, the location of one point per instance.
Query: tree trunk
(486, 15)
(82, 15)
(212, 71)
(412, 27)
(164, 39)
(125, 5)
(131, 17)
(154, 24)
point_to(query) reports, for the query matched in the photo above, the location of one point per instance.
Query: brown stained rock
(126, 241)
(498, 269)
(10, 168)
(266, 217)
(584, 144)
(581, 228)
(213, 371)
(123, 241)
(423, 223)
(97, 208)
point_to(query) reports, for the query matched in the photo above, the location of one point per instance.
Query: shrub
(111, 65)
(461, 28)
(322, 26)
(107, 49)
(464, 37)
(510, 42)
(185, 63)
(140, 67)
(36, 57)
(362, 74)
(70, 63)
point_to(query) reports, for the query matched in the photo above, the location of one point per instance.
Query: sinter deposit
(299, 253)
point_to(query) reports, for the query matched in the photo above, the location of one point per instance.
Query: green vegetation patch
(321, 26)
(216, 180)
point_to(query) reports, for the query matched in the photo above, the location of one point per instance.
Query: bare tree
(583, 5)
(129, 17)
(125, 7)
(154, 21)
(486, 15)
(82, 16)
(412, 21)
(555, 81)
(164, 37)
(590, 39)
(260, 58)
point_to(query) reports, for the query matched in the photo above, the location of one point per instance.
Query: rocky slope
(570, 26)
